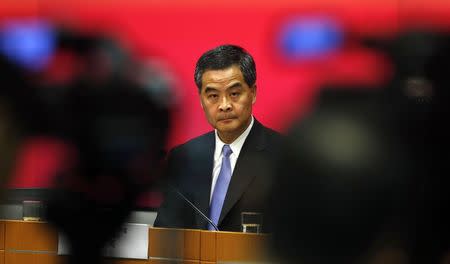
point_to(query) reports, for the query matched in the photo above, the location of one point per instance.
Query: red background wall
(177, 33)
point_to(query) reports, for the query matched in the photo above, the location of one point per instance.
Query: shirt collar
(236, 145)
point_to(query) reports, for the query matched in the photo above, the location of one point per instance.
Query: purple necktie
(220, 190)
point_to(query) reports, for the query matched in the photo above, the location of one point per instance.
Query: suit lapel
(203, 162)
(243, 171)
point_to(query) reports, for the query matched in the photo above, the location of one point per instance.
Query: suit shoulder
(273, 134)
(194, 142)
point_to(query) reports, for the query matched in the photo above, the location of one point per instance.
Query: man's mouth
(227, 119)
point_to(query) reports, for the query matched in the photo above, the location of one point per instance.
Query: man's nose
(225, 104)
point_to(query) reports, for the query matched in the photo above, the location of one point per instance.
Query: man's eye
(213, 96)
(235, 94)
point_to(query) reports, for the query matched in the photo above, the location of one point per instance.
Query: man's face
(227, 101)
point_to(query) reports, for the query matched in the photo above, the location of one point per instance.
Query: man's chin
(226, 126)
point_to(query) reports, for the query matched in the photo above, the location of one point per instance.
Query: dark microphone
(194, 207)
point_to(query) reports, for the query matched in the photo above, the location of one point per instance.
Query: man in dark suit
(229, 170)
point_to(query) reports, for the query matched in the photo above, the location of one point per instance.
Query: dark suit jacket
(190, 167)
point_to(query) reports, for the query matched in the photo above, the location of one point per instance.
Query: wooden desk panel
(21, 237)
(36, 243)
(174, 244)
(32, 258)
(166, 243)
(242, 247)
(192, 245)
(208, 246)
(50, 258)
(37, 236)
(2, 235)
(161, 261)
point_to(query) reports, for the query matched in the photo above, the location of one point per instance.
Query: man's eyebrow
(235, 85)
(210, 89)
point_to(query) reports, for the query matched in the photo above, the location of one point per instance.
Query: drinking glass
(32, 210)
(251, 222)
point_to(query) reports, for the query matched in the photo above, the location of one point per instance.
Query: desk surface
(37, 243)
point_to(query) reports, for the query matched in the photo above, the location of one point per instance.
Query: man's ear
(201, 102)
(254, 93)
(200, 97)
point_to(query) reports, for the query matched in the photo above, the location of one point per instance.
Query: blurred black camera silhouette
(117, 126)
(364, 173)
(110, 110)
(12, 115)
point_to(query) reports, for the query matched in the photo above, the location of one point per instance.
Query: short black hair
(223, 57)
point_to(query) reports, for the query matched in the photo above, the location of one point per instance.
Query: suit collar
(242, 175)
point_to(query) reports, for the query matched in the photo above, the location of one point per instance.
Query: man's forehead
(222, 77)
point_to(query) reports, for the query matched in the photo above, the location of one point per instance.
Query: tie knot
(226, 151)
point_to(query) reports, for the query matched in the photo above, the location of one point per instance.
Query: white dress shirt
(235, 146)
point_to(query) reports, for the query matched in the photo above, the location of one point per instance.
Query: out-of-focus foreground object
(108, 109)
(19, 106)
(362, 178)
(116, 123)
